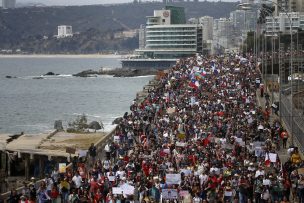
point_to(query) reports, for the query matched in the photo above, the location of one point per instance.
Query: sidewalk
(282, 153)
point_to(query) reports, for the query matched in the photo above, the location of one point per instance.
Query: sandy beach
(62, 56)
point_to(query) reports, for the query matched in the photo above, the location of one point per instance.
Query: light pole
(291, 59)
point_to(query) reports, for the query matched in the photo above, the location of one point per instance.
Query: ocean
(32, 105)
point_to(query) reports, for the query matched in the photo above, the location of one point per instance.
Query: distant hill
(25, 27)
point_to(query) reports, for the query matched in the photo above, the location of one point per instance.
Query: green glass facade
(177, 14)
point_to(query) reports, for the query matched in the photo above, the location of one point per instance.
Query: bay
(32, 105)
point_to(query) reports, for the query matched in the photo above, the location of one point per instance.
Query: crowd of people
(200, 136)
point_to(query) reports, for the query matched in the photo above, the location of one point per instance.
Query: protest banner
(183, 193)
(169, 194)
(172, 179)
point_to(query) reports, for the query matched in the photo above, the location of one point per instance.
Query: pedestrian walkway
(261, 101)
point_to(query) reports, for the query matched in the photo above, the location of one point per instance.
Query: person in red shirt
(54, 194)
(98, 197)
(93, 186)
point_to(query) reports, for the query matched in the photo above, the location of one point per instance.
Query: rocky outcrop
(10, 77)
(117, 121)
(118, 72)
(50, 74)
(86, 73)
(124, 72)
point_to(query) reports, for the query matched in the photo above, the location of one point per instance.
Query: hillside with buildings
(95, 28)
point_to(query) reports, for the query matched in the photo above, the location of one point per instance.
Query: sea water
(32, 105)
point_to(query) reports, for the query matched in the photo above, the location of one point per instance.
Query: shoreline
(61, 56)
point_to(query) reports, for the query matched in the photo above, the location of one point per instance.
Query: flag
(194, 83)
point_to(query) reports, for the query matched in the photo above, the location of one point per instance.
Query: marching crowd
(200, 136)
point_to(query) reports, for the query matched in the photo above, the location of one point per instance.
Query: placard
(169, 194)
(82, 153)
(70, 150)
(111, 178)
(266, 182)
(272, 157)
(116, 190)
(127, 189)
(62, 167)
(180, 144)
(172, 179)
(116, 139)
(186, 171)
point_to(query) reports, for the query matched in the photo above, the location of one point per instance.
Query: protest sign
(116, 190)
(272, 157)
(82, 153)
(127, 189)
(169, 194)
(111, 178)
(116, 138)
(70, 150)
(266, 182)
(172, 179)
(185, 171)
(180, 144)
(62, 167)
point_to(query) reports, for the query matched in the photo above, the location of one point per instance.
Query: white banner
(173, 179)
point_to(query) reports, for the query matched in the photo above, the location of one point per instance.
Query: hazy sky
(78, 2)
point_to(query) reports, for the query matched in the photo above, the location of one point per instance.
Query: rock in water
(117, 121)
(86, 73)
(50, 73)
(58, 125)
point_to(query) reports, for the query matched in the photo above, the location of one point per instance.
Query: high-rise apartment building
(288, 6)
(207, 23)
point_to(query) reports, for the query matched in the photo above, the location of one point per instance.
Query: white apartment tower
(6, 4)
(65, 31)
(207, 23)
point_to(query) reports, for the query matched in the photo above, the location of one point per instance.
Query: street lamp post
(291, 60)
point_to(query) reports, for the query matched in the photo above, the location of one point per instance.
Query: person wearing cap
(33, 191)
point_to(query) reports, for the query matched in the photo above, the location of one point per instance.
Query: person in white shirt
(203, 178)
(77, 180)
(259, 172)
(197, 199)
(120, 173)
